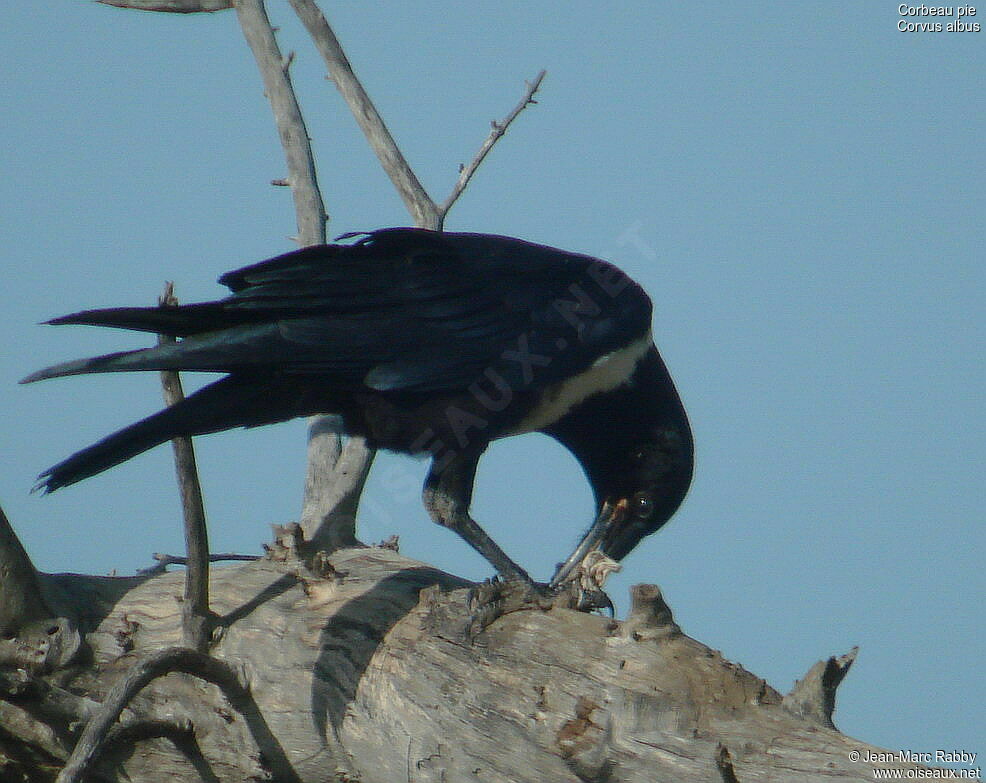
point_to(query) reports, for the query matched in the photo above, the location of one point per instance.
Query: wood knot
(393, 543)
(42, 645)
(584, 743)
(813, 697)
(650, 616)
(288, 543)
(572, 731)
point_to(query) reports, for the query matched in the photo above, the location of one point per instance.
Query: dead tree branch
(813, 697)
(331, 490)
(197, 619)
(291, 127)
(497, 131)
(366, 659)
(174, 659)
(337, 469)
(425, 212)
(415, 198)
(172, 6)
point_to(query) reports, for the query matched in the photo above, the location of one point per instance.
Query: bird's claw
(587, 580)
(594, 600)
(496, 597)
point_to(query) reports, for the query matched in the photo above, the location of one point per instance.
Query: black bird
(427, 343)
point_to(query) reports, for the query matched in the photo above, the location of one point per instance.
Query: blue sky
(799, 188)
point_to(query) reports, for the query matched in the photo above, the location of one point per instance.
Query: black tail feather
(179, 321)
(227, 403)
(209, 352)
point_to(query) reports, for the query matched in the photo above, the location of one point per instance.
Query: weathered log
(359, 667)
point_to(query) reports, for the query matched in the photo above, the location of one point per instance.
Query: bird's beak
(619, 539)
(605, 526)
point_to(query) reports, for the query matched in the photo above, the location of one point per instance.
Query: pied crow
(432, 344)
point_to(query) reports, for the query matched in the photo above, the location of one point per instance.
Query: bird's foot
(583, 592)
(497, 597)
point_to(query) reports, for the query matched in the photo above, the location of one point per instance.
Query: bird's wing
(400, 309)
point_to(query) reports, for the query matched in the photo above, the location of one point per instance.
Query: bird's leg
(447, 496)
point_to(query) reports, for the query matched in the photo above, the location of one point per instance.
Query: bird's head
(635, 445)
(644, 486)
(642, 494)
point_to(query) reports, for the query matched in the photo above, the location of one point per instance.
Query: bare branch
(497, 130)
(44, 700)
(415, 197)
(287, 115)
(172, 6)
(196, 617)
(336, 473)
(163, 561)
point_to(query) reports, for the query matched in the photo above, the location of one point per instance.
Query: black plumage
(426, 343)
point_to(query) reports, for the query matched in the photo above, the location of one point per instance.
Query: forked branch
(425, 212)
(411, 191)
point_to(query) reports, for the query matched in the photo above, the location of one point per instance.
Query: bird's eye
(642, 505)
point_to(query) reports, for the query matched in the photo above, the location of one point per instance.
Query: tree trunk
(359, 666)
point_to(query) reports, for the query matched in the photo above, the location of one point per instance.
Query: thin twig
(163, 561)
(415, 197)
(497, 130)
(308, 203)
(196, 619)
